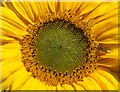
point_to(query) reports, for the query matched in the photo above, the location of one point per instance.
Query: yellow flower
(59, 45)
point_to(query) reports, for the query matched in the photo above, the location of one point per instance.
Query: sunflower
(59, 45)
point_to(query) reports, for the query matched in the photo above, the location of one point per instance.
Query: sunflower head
(59, 45)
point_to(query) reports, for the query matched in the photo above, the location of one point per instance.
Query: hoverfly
(102, 48)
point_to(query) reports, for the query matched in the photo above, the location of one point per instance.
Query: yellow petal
(59, 88)
(35, 10)
(8, 55)
(28, 84)
(11, 46)
(73, 6)
(102, 81)
(109, 77)
(19, 9)
(9, 52)
(86, 7)
(7, 33)
(113, 33)
(44, 7)
(96, 86)
(10, 17)
(41, 86)
(110, 41)
(40, 11)
(6, 83)
(104, 26)
(109, 63)
(85, 84)
(101, 9)
(9, 60)
(108, 14)
(20, 79)
(29, 10)
(7, 27)
(6, 40)
(33, 86)
(53, 5)
(50, 87)
(68, 87)
(66, 5)
(10, 68)
(78, 87)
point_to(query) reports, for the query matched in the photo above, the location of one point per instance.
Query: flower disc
(60, 46)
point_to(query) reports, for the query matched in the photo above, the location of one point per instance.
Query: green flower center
(60, 46)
